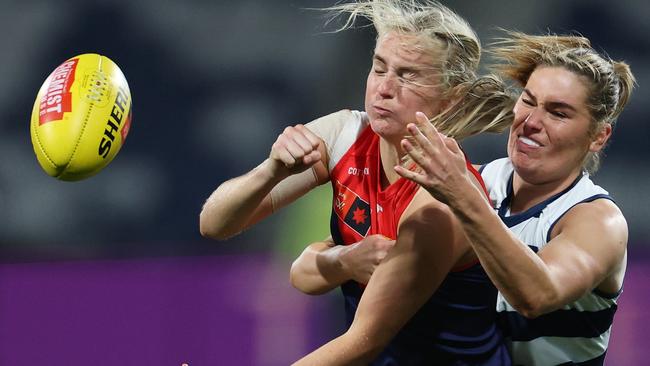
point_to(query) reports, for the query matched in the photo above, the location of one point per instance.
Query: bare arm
(587, 249)
(401, 284)
(323, 266)
(238, 203)
(588, 246)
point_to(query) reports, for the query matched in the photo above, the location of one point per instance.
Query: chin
(530, 172)
(522, 163)
(380, 127)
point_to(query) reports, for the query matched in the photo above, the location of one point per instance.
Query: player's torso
(457, 323)
(361, 206)
(579, 332)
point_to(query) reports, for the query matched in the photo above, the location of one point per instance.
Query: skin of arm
(587, 249)
(323, 266)
(401, 284)
(240, 202)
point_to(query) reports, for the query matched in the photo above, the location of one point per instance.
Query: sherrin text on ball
(81, 117)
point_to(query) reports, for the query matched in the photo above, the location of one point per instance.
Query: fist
(362, 258)
(295, 150)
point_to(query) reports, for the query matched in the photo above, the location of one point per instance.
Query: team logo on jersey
(351, 209)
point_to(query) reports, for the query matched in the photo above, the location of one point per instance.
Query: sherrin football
(81, 117)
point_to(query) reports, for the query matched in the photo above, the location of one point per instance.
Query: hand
(442, 166)
(360, 259)
(295, 151)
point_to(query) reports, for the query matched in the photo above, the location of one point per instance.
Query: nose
(386, 87)
(533, 120)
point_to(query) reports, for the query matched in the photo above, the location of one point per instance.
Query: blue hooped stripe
(598, 361)
(559, 323)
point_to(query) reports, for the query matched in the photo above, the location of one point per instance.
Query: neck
(526, 195)
(390, 156)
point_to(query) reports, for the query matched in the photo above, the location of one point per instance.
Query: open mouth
(528, 142)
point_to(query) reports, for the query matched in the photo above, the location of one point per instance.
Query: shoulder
(333, 123)
(601, 215)
(338, 131)
(597, 227)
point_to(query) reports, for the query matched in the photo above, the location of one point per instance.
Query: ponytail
(484, 105)
(626, 83)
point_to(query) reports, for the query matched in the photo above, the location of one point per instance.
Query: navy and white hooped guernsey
(576, 334)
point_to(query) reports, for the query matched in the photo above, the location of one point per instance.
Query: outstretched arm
(587, 249)
(323, 266)
(401, 284)
(295, 165)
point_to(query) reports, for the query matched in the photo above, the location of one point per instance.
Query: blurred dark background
(213, 84)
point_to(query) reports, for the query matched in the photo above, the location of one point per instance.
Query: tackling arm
(298, 162)
(292, 170)
(587, 249)
(401, 284)
(323, 266)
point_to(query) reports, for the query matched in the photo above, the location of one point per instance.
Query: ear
(601, 138)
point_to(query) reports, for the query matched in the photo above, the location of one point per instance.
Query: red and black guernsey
(360, 206)
(457, 325)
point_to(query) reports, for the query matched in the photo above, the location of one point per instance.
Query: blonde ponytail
(485, 105)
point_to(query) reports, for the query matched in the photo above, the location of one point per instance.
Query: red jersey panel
(457, 325)
(361, 206)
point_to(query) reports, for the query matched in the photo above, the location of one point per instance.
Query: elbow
(297, 280)
(528, 311)
(211, 235)
(209, 230)
(534, 307)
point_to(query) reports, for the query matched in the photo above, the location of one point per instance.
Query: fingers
(296, 144)
(410, 175)
(425, 127)
(416, 154)
(429, 140)
(280, 153)
(313, 139)
(452, 145)
(302, 137)
(311, 158)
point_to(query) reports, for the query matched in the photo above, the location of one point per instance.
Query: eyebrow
(555, 105)
(408, 68)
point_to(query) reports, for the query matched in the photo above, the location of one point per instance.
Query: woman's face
(402, 81)
(550, 137)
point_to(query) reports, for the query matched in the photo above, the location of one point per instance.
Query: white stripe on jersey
(589, 302)
(547, 351)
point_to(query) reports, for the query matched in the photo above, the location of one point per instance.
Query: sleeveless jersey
(457, 325)
(576, 334)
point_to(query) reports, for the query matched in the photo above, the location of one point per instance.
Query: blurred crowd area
(213, 84)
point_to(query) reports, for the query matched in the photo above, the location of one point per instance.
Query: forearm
(317, 270)
(233, 204)
(520, 274)
(346, 350)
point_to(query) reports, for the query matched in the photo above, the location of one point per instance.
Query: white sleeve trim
(339, 131)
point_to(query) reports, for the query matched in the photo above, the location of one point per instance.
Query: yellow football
(81, 117)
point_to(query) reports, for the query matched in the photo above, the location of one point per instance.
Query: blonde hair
(481, 104)
(609, 83)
